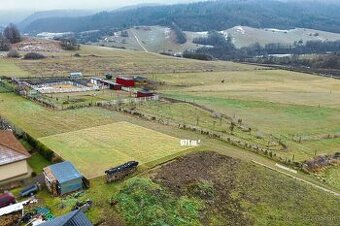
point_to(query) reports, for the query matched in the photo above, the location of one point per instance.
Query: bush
(143, 202)
(69, 44)
(41, 148)
(13, 53)
(109, 76)
(34, 56)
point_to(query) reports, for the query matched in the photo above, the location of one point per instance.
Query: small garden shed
(63, 178)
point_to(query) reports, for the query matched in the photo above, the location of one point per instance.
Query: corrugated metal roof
(65, 171)
(75, 218)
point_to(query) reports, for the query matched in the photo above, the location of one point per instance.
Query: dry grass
(99, 60)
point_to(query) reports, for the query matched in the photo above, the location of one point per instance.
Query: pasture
(285, 104)
(97, 149)
(9, 67)
(100, 60)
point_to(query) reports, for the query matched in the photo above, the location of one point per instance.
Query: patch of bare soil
(210, 177)
(38, 45)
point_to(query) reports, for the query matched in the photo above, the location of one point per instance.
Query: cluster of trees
(10, 35)
(204, 16)
(181, 38)
(222, 48)
(323, 61)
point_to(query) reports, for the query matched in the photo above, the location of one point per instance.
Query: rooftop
(11, 150)
(74, 218)
(64, 171)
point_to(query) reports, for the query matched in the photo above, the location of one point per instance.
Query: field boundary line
(299, 179)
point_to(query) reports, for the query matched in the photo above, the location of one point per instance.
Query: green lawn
(97, 149)
(39, 121)
(332, 176)
(283, 120)
(37, 162)
(8, 67)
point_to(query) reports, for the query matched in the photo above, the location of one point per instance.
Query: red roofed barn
(13, 157)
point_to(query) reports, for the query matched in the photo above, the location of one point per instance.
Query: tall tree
(5, 45)
(12, 33)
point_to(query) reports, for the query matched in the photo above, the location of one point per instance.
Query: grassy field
(332, 176)
(97, 149)
(100, 60)
(39, 121)
(285, 104)
(8, 67)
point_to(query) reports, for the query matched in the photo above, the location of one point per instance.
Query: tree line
(205, 16)
(216, 45)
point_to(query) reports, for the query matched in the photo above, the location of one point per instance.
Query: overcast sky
(76, 4)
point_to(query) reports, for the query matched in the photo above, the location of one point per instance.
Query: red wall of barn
(140, 94)
(124, 82)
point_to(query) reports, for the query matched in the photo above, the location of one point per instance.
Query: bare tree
(12, 33)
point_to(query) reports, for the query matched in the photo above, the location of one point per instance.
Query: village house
(13, 157)
(63, 178)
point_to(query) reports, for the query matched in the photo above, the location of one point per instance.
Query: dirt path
(139, 42)
(299, 179)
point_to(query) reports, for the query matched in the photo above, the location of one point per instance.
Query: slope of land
(203, 16)
(275, 104)
(100, 60)
(161, 39)
(212, 189)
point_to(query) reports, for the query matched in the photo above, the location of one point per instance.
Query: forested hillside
(204, 16)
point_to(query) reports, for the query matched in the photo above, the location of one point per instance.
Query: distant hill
(161, 39)
(54, 14)
(13, 16)
(203, 16)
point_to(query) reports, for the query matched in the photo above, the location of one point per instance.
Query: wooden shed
(63, 178)
(121, 171)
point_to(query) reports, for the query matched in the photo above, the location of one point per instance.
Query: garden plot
(97, 149)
